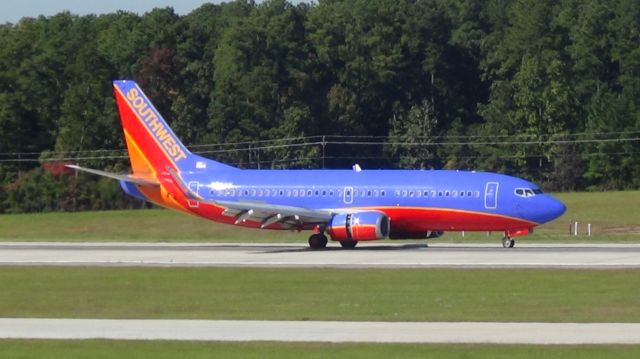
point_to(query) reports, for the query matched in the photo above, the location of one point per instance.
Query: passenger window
(376, 193)
(426, 193)
(404, 193)
(461, 194)
(454, 194)
(410, 193)
(331, 193)
(369, 193)
(324, 193)
(418, 194)
(397, 193)
(477, 194)
(439, 193)
(469, 193)
(382, 193)
(433, 193)
(317, 193)
(281, 193)
(446, 193)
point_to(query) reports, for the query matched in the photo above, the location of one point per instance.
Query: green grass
(167, 349)
(613, 215)
(322, 294)
(154, 225)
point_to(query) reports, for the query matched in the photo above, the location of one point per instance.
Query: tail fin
(152, 145)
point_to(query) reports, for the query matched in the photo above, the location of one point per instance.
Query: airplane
(349, 206)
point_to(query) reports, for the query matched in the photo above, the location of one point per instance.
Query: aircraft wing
(143, 181)
(268, 214)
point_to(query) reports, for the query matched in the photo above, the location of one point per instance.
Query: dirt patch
(621, 230)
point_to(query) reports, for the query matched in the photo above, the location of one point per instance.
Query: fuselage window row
(273, 192)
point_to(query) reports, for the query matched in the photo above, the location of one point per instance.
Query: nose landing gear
(508, 242)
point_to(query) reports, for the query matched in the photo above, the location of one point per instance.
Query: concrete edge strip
(322, 331)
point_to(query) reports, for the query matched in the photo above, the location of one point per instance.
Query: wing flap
(268, 214)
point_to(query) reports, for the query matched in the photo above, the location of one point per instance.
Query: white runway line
(370, 255)
(322, 331)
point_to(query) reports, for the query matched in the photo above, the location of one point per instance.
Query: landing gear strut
(318, 241)
(508, 242)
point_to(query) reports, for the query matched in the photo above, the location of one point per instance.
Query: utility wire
(333, 139)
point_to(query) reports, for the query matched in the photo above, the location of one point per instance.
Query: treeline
(544, 89)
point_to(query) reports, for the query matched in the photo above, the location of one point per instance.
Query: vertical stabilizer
(152, 145)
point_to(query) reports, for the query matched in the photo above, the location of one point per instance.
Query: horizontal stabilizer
(122, 177)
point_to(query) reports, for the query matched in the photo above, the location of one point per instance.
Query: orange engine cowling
(359, 226)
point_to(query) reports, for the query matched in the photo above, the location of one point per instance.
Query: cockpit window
(526, 192)
(537, 191)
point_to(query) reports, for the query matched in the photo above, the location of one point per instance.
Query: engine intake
(359, 226)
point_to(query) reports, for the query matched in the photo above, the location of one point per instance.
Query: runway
(319, 331)
(369, 255)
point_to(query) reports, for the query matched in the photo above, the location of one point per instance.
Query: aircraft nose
(553, 209)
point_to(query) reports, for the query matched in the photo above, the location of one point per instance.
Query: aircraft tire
(348, 244)
(317, 241)
(508, 242)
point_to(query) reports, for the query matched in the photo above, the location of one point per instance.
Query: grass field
(321, 294)
(615, 217)
(98, 349)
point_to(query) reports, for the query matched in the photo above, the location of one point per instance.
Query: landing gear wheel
(507, 242)
(317, 241)
(348, 244)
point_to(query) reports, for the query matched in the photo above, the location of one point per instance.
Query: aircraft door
(491, 195)
(348, 195)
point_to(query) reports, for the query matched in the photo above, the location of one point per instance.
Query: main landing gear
(318, 241)
(508, 242)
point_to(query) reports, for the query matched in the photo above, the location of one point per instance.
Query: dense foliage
(547, 90)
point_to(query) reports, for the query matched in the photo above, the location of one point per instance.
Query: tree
(412, 136)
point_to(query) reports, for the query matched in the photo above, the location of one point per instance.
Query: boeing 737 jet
(347, 205)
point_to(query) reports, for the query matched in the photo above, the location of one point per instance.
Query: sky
(13, 10)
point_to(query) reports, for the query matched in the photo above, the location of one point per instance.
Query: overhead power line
(113, 154)
(354, 140)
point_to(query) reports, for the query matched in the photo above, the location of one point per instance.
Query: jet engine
(359, 226)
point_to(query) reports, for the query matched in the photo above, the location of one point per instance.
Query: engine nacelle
(359, 226)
